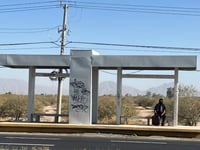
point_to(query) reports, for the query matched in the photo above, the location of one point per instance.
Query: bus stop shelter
(84, 66)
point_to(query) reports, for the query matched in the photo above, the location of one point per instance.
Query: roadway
(93, 141)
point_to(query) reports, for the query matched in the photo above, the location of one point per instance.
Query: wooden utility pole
(60, 83)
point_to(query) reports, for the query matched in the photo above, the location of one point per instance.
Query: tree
(187, 90)
(148, 94)
(14, 107)
(184, 91)
(189, 112)
(170, 92)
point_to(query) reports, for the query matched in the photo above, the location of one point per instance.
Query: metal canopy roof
(38, 61)
(146, 62)
(102, 62)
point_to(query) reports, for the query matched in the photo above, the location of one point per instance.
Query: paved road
(25, 141)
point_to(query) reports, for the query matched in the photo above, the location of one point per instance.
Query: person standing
(160, 111)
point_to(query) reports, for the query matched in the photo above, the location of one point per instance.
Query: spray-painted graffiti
(79, 96)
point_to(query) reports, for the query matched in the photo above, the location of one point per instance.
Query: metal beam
(148, 76)
(63, 75)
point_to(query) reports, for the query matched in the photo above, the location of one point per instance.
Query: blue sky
(90, 25)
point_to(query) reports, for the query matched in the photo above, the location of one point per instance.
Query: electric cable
(136, 8)
(132, 50)
(28, 6)
(27, 43)
(26, 30)
(132, 45)
(190, 11)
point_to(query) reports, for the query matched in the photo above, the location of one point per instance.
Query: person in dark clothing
(160, 111)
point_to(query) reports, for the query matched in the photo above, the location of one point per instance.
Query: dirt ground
(143, 117)
(142, 112)
(48, 110)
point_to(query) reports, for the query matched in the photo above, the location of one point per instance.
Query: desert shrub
(106, 108)
(189, 111)
(46, 100)
(38, 106)
(14, 106)
(128, 107)
(145, 101)
(65, 105)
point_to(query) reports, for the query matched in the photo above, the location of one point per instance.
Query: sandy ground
(142, 112)
(48, 110)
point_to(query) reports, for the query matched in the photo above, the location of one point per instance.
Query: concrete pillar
(119, 94)
(95, 81)
(31, 92)
(176, 93)
(80, 93)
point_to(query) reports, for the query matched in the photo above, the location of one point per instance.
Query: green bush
(14, 106)
(128, 107)
(145, 101)
(106, 108)
(189, 111)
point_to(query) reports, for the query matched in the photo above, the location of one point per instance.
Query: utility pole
(60, 83)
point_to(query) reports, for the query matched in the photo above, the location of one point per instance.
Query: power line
(30, 3)
(132, 45)
(130, 5)
(27, 43)
(28, 48)
(107, 72)
(103, 44)
(28, 6)
(136, 8)
(26, 30)
(139, 10)
(132, 50)
(189, 11)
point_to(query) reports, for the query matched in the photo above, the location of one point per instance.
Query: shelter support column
(95, 81)
(176, 93)
(80, 90)
(31, 92)
(119, 94)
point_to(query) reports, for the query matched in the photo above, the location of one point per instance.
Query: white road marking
(31, 138)
(139, 142)
(27, 144)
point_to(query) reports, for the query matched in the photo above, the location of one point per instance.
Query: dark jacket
(160, 108)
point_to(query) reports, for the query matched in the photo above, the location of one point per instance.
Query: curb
(168, 131)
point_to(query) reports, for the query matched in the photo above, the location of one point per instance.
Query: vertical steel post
(176, 93)
(119, 94)
(31, 92)
(95, 81)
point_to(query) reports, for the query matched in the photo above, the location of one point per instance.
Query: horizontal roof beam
(148, 76)
(144, 62)
(63, 75)
(37, 61)
(101, 61)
